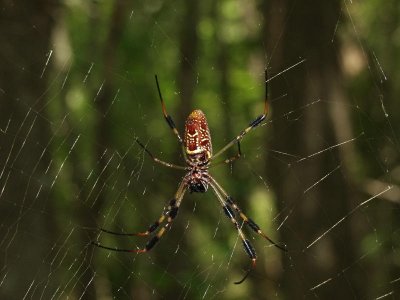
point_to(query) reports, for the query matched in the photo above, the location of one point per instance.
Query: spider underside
(197, 150)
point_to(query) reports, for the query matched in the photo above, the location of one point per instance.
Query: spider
(197, 151)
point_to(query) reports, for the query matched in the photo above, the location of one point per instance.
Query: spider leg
(246, 219)
(159, 161)
(152, 227)
(253, 124)
(246, 243)
(171, 216)
(167, 117)
(170, 212)
(229, 160)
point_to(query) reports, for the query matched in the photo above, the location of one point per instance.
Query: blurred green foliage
(100, 95)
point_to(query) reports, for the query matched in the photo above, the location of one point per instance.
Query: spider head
(198, 187)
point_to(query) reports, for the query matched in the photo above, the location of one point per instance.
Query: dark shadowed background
(321, 174)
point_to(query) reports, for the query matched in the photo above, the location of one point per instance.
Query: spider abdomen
(197, 139)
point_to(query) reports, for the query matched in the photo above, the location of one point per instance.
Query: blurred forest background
(320, 175)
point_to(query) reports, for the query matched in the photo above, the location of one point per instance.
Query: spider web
(58, 187)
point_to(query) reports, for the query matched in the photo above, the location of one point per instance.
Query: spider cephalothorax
(198, 155)
(197, 180)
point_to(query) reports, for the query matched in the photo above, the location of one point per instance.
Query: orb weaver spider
(197, 151)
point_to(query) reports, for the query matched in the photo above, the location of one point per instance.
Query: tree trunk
(25, 136)
(101, 149)
(296, 31)
(188, 45)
